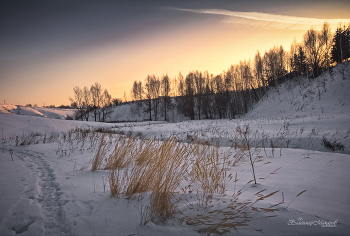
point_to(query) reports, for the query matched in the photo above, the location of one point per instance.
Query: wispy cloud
(268, 21)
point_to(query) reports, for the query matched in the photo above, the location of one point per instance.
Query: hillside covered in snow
(52, 113)
(323, 96)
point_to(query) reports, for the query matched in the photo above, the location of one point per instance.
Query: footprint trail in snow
(48, 194)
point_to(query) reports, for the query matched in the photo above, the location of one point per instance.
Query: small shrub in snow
(335, 145)
(68, 117)
(247, 136)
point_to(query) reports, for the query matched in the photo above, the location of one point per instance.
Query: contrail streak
(266, 20)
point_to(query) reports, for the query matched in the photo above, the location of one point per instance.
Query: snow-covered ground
(47, 186)
(53, 113)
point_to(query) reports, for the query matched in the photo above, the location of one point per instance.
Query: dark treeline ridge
(201, 95)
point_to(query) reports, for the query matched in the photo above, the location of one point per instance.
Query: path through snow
(44, 212)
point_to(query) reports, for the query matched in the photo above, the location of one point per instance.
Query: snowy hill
(7, 109)
(328, 94)
(53, 113)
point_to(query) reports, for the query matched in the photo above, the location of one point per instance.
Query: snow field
(87, 206)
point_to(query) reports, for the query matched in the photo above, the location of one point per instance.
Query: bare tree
(326, 38)
(126, 98)
(78, 101)
(96, 94)
(87, 102)
(136, 91)
(258, 70)
(200, 90)
(219, 97)
(152, 93)
(315, 49)
(181, 85)
(148, 95)
(165, 89)
(186, 104)
(106, 104)
(156, 95)
(207, 108)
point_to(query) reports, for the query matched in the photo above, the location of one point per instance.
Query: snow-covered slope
(17, 125)
(326, 95)
(7, 109)
(53, 113)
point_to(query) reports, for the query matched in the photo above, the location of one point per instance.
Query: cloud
(266, 20)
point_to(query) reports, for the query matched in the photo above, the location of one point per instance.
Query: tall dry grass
(101, 153)
(210, 170)
(123, 153)
(138, 167)
(160, 169)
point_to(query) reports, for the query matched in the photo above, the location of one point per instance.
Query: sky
(48, 47)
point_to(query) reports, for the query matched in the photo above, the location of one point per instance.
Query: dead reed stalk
(101, 152)
(210, 170)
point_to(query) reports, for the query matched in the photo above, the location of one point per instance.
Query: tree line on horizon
(201, 95)
(95, 100)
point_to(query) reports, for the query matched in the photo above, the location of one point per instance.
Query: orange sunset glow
(48, 49)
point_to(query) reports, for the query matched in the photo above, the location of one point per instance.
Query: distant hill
(53, 113)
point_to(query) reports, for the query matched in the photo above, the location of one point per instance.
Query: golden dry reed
(101, 153)
(159, 169)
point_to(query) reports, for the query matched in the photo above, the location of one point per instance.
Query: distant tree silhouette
(187, 103)
(326, 38)
(299, 62)
(117, 101)
(87, 102)
(181, 85)
(106, 105)
(77, 102)
(315, 49)
(165, 91)
(341, 45)
(148, 95)
(96, 95)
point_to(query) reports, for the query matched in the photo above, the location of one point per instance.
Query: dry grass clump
(159, 169)
(210, 170)
(335, 145)
(101, 153)
(32, 138)
(221, 216)
(122, 154)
